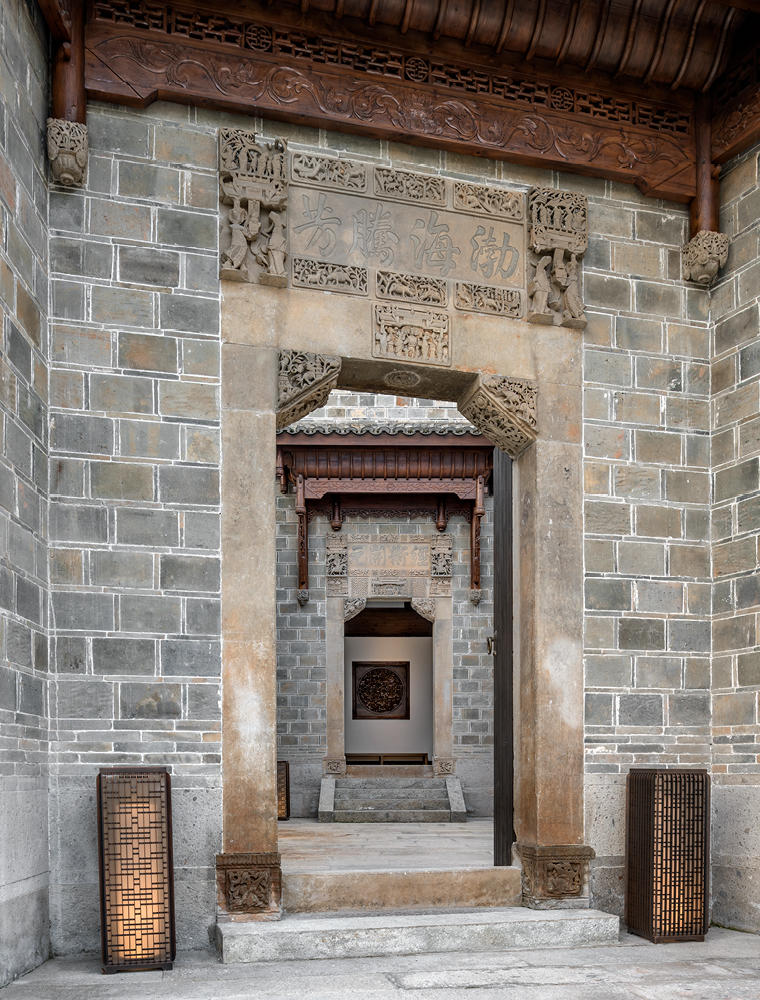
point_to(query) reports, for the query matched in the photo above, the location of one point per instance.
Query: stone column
(248, 871)
(443, 683)
(335, 759)
(549, 766)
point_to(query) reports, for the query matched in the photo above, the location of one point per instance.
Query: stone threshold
(303, 938)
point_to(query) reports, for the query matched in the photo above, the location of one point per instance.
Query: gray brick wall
(735, 416)
(134, 488)
(24, 735)
(647, 496)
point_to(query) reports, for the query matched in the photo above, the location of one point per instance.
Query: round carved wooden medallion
(380, 690)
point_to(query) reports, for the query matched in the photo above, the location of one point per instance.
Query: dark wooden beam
(67, 85)
(736, 108)
(58, 18)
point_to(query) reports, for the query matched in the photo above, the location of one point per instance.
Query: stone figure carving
(304, 383)
(558, 232)
(420, 335)
(254, 184)
(440, 556)
(504, 409)
(67, 149)
(703, 256)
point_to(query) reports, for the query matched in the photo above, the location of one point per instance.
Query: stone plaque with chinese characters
(421, 247)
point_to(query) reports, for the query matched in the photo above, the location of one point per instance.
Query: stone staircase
(391, 800)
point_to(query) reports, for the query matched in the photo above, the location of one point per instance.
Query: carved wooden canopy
(605, 88)
(385, 475)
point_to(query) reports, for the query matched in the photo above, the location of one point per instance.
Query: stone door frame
(439, 611)
(533, 410)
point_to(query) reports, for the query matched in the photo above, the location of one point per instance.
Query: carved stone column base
(703, 256)
(555, 877)
(249, 886)
(444, 766)
(334, 766)
(67, 148)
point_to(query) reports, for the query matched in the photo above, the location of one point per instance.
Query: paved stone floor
(307, 845)
(725, 967)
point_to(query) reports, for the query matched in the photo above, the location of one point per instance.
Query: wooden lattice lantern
(136, 869)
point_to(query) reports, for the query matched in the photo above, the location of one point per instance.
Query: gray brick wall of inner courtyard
(109, 540)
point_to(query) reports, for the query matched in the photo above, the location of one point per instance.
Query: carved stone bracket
(504, 409)
(554, 876)
(352, 606)
(302, 596)
(305, 381)
(253, 179)
(558, 236)
(703, 256)
(424, 607)
(443, 766)
(249, 883)
(67, 148)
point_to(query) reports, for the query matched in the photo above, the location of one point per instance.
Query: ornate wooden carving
(144, 52)
(554, 873)
(558, 237)
(504, 409)
(253, 178)
(383, 478)
(249, 883)
(736, 102)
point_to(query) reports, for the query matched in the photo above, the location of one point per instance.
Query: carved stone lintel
(305, 381)
(554, 876)
(334, 766)
(67, 149)
(443, 766)
(504, 409)
(302, 596)
(352, 606)
(703, 256)
(253, 178)
(424, 607)
(250, 884)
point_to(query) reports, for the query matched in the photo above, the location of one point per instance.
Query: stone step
(439, 791)
(390, 782)
(372, 805)
(392, 816)
(303, 938)
(373, 891)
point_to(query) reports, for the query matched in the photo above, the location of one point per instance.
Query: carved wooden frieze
(67, 149)
(703, 256)
(504, 409)
(253, 179)
(304, 383)
(558, 237)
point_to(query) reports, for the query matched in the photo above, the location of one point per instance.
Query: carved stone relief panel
(249, 883)
(558, 236)
(304, 383)
(504, 409)
(348, 278)
(409, 334)
(253, 179)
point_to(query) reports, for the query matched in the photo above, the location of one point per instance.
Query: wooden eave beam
(735, 123)
(57, 18)
(579, 123)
